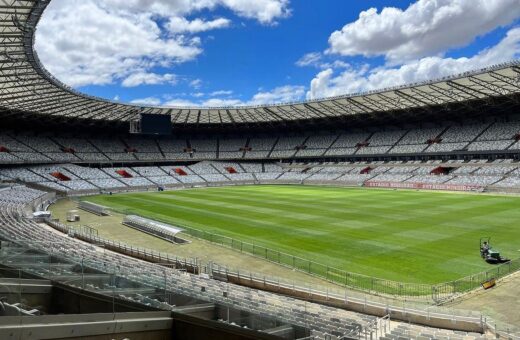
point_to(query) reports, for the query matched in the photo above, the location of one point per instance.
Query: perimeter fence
(369, 284)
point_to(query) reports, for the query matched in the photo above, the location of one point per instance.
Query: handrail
(437, 293)
(191, 265)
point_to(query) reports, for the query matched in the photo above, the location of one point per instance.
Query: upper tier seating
(350, 140)
(42, 144)
(501, 131)
(386, 137)
(463, 133)
(77, 144)
(421, 136)
(28, 148)
(373, 150)
(320, 142)
(411, 148)
(13, 145)
(289, 143)
(446, 147)
(231, 144)
(110, 145)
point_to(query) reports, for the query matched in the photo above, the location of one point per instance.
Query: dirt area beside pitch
(502, 302)
(110, 227)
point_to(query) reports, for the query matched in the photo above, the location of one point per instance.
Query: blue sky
(238, 52)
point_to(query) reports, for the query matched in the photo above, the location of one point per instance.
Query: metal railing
(436, 293)
(335, 293)
(190, 265)
(430, 292)
(406, 307)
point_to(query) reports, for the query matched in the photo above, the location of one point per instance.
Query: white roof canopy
(26, 88)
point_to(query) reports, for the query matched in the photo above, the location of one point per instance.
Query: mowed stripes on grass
(407, 236)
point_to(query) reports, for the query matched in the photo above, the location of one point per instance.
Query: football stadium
(389, 213)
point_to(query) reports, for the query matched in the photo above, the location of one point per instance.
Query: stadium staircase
(331, 144)
(273, 147)
(159, 148)
(514, 140)
(216, 169)
(399, 140)
(436, 140)
(4, 149)
(364, 143)
(442, 133)
(481, 133)
(189, 148)
(129, 149)
(84, 179)
(246, 148)
(37, 174)
(29, 147)
(63, 147)
(98, 149)
(112, 176)
(241, 167)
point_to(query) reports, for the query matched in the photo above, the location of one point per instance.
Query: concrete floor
(501, 303)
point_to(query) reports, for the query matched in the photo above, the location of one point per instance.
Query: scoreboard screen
(156, 124)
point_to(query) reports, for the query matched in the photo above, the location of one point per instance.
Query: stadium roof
(27, 89)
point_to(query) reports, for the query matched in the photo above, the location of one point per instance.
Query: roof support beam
(508, 80)
(489, 86)
(467, 90)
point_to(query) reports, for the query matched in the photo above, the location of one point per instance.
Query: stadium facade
(456, 133)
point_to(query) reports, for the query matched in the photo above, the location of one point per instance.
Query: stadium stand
(482, 174)
(457, 133)
(472, 138)
(319, 318)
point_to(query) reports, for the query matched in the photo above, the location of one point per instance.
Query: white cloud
(335, 64)
(99, 42)
(221, 93)
(196, 83)
(180, 103)
(181, 25)
(282, 94)
(287, 93)
(82, 43)
(315, 59)
(326, 83)
(425, 28)
(312, 58)
(151, 101)
(265, 11)
(216, 102)
(143, 78)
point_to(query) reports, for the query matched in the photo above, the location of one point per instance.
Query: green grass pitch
(407, 236)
